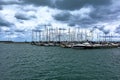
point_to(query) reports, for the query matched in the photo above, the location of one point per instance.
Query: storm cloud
(67, 4)
(24, 15)
(102, 12)
(77, 4)
(81, 18)
(63, 16)
(38, 2)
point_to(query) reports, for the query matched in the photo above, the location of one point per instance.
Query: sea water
(28, 62)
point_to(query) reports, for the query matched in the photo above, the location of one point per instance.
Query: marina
(73, 38)
(59, 39)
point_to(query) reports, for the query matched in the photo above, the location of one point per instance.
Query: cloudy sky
(19, 17)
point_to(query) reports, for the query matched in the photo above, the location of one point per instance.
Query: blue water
(27, 62)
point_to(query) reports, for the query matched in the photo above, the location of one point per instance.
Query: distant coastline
(7, 42)
(47, 42)
(74, 44)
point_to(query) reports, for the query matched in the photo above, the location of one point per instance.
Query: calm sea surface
(27, 62)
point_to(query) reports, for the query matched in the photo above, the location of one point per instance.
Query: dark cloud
(4, 22)
(86, 22)
(106, 31)
(73, 20)
(63, 16)
(71, 24)
(96, 16)
(38, 2)
(101, 27)
(99, 14)
(23, 16)
(1, 8)
(67, 4)
(105, 14)
(77, 4)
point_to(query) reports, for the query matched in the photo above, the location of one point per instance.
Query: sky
(19, 17)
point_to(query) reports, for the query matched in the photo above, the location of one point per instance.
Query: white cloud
(5, 29)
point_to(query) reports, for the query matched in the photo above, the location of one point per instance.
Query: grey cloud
(4, 22)
(85, 23)
(1, 8)
(71, 24)
(0, 29)
(3, 2)
(101, 28)
(105, 14)
(67, 4)
(73, 20)
(23, 16)
(106, 31)
(99, 14)
(63, 16)
(77, 4)
(102, 12)
(38, 2)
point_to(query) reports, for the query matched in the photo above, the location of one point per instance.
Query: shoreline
(73, 44)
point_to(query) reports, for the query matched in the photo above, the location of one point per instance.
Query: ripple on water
(27, 62)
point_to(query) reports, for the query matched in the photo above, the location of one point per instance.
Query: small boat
(78, 46)
(83, 46)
